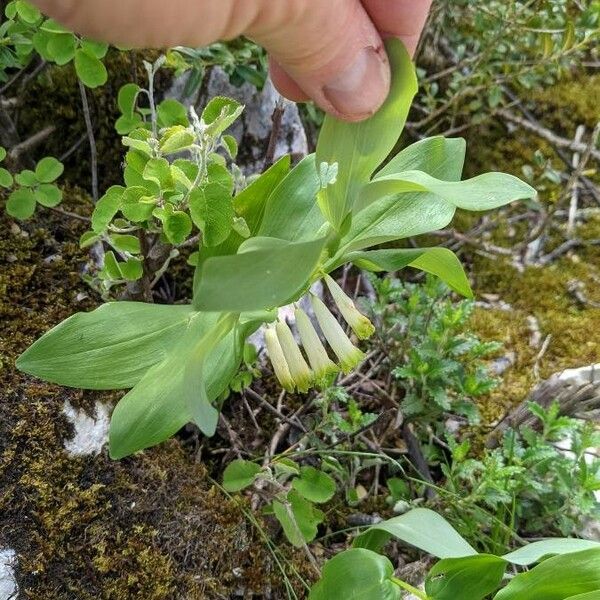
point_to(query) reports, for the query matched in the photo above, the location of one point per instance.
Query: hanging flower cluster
(291, 368)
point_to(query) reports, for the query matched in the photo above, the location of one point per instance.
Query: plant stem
(92, 140)
(409, 588)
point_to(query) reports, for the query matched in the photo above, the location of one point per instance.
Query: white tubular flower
(348, 354)
(301, 374)
(362, 327)
(280, 366)
(321, 364)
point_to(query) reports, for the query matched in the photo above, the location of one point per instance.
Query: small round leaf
(21, 204)
(240, 474)
(48, 195)
(90, 69)
(49, 169)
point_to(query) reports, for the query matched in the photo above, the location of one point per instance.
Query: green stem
(409, 588)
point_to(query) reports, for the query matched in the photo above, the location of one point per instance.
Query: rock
(581, 375)
(91, 433)
(8, 584)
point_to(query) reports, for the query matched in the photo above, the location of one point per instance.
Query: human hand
(330, 51)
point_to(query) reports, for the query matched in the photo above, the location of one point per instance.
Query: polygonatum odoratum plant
(331, 209)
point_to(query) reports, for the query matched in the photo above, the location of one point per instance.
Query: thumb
(328, 50)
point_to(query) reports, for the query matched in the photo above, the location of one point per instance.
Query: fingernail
(359, 90)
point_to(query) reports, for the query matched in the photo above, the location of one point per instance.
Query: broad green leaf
(89, 238)
(107, 207)
(396, 218)
(587, 596)
(157, 407)
(48, 194)
(6, 179)
(292, 212)
(220, 113)
(314, 485)
(556, 578)
(98, 49)
(257, 279)
(170, 112)
(230, 143)
(132, 269)
(136, 205)
(111, 266)
(240, 474)
(21, 204)
(27, 178)
(467, 578)
(158, 171)
(212, 211)
(250, 202)
(440, 262)
(61, 46)
(127, 123)
(359, 148)
(440, 157)
(483, 192)
(127, 97)
(126, 243)
(177, 224)
(109, 348)
(534, 552)
(176, 139)
(90, 70)
(298, 517)
(423, 529)
(357, 574)
(29, 13)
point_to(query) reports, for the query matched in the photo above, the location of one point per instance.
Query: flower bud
(362, 327)
(301, 374)
(278, 361)
(348, 354)
(321, 364)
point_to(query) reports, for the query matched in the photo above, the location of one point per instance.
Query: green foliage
(574, 567)
(528, 483)
(440, 366)
(291, 219)
(30, 188)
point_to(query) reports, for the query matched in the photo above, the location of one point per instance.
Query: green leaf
(107, 207)
(61, 46)
(136, 205)
(250, 202)
(2, 153)
(6, 179)
(26, 178)
(483, 192)
(534, 552)
(52, 26)
(90, 70)
(359, 148)
(177, 225)
(467, 578)
(47, 194)
(49, 169)
(357, 574)
(212, 211)
(220, 113)
(127, 123)
(132, 269)
(587, 596)
(298, 517)
(396, 218)
(89, 238)
(263, 273)
(21, 204)
(109, 348)
(140, 145)
(240, 474)
(158, 170)
(157, 406)
(127, 97)
(29, 13)
(438, 156)
(314, 485)
(176, 139)
(421, 528)
(111, 266)
(170, 112)
(231, 145)
(126, 243)
(291, 211)
(98, 49)
(556, 578)
(440, 262)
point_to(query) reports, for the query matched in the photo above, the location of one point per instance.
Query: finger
(330, 48)
(284, 84)
(399, 18)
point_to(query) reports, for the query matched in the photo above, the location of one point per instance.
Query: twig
(540, 355)
(293, 422)
(547, 134)
(67, 213)
(73, 148)
(573, 186)
(30, 142)
(276, 119)
(92, 140)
